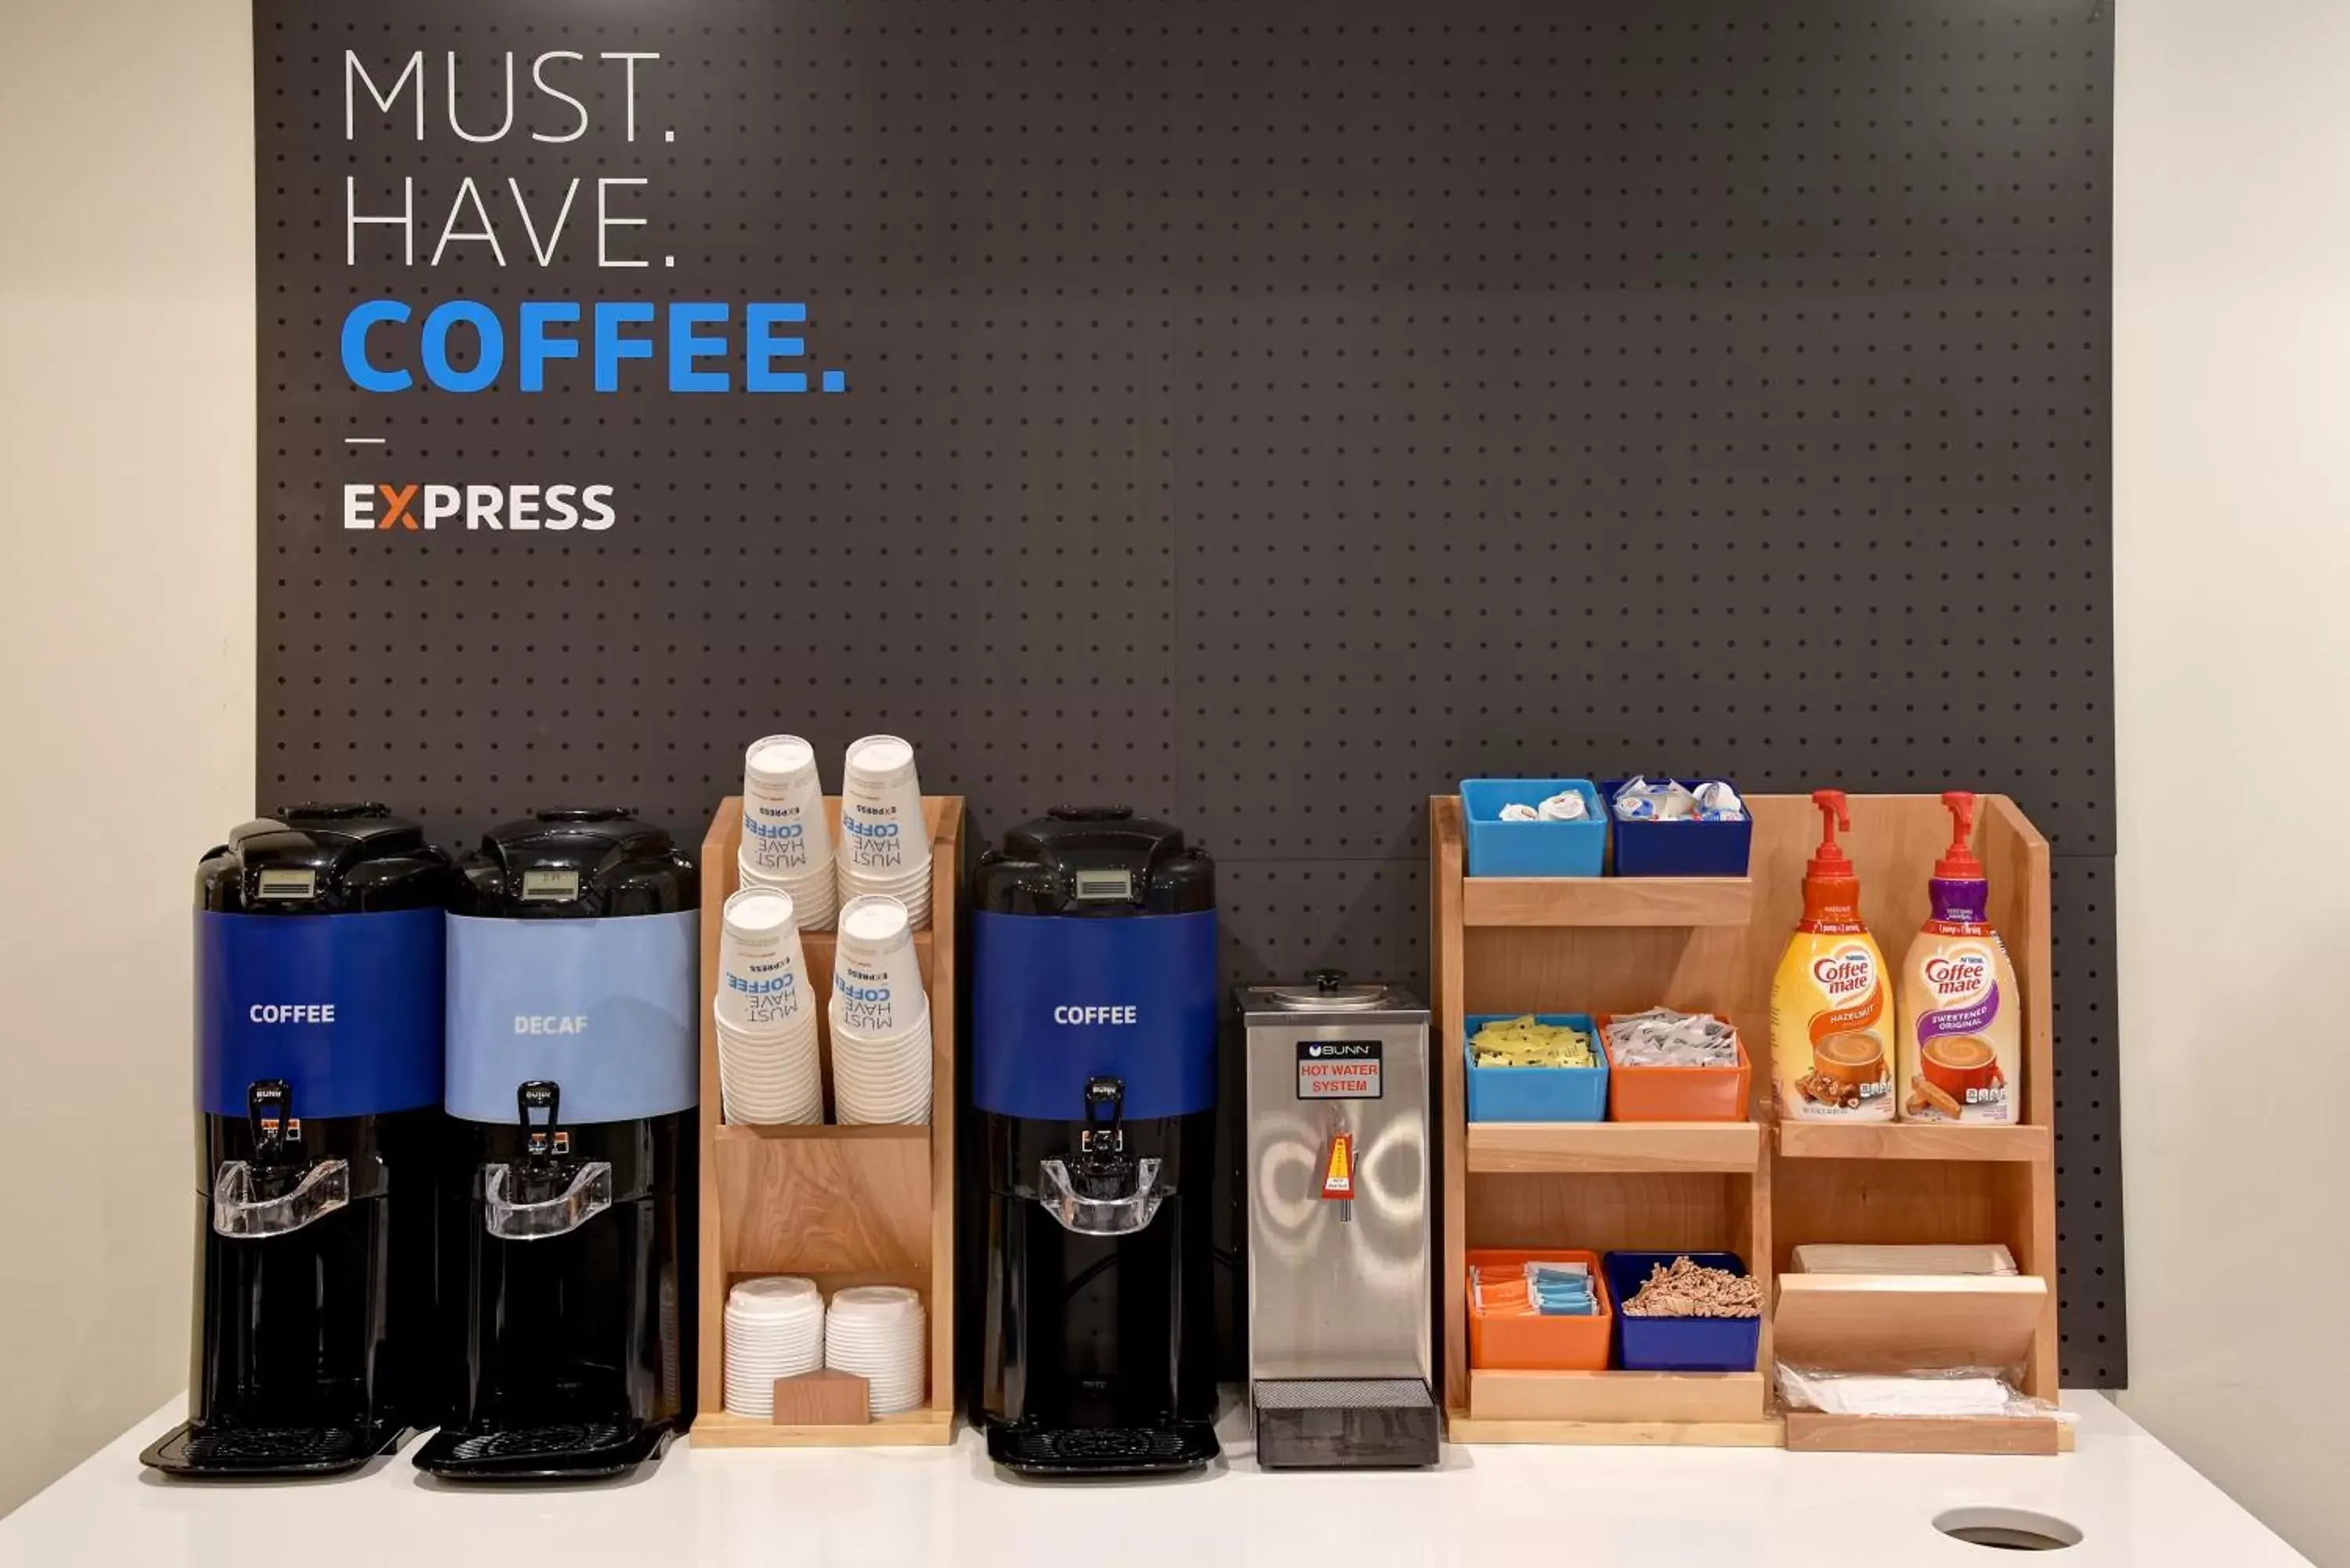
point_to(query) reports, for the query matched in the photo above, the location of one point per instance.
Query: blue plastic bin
(1679, 848)
(1538, 1093)
(1678, 1344)
(1498, 849)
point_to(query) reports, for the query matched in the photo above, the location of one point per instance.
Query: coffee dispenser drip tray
(1069, 1453)
(229, 1453)
(1357, 1423)
(555, 1451)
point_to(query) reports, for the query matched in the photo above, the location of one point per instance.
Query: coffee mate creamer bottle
(1961, 1016)
(1831, 1018)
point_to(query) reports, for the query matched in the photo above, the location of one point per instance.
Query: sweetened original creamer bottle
(1830, 1013)
(1961, 1016)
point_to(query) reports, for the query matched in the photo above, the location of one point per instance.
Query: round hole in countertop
(2008, 1529)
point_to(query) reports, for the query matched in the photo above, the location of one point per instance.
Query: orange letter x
(397, 513)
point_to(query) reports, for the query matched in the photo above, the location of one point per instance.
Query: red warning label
(1337, 1069)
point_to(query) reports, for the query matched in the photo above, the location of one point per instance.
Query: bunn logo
(504, 508)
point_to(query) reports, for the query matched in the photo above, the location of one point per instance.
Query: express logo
(1959, 975)
(500, 508)
(1847, 972)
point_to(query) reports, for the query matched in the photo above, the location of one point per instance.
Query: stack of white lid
(877, 1332)
(774, 1328)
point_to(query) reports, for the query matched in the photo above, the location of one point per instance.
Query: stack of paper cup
(881, 1018)
(876, 1332)
(885, 849)
(769, 1070)
(774, 1328)
(786, 838)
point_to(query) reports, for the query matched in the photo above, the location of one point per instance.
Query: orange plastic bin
(1536, 1343)
(1676, 1094)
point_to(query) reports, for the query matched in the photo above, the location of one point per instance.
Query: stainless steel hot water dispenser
(1340, 1224)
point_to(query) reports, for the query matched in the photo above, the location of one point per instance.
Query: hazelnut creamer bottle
(1830, 1023)
(1961, 1016)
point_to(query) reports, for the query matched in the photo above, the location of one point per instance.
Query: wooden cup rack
(842, 1205)
(1758, 1189)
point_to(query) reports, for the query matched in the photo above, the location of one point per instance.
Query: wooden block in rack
(1913, 1140)
(1519, 1148)
(1892, 1324)
(1817, 1432)
(836, 1200)
(1767, 1433)
(929, 1427)
(1600, 901)
(826, 1398)
(1663, 1397)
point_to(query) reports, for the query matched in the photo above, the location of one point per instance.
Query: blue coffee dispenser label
(345, 1008)
(604, 1009)
(1059, 999)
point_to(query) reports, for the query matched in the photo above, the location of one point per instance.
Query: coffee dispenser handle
(588, 1195)
(241, 1211)
(1088, 1216)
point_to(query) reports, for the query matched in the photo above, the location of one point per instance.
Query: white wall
(126, 707)
(2231, 504)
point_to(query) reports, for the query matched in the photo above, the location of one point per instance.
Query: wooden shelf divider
(1913, 1140)
(843, 1205)
(1606, 900)
(1517, 1148)
(1758, 1189)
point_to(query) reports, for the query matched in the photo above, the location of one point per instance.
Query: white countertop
(2135, 1501)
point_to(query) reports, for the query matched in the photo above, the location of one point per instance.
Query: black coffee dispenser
(1093, 1068)
(318, 998)
(572, 1066)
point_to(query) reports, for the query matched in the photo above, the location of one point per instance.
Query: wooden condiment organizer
(842, 1205)
(1511, 945)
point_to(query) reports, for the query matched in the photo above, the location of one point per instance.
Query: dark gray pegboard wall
(1267, 413)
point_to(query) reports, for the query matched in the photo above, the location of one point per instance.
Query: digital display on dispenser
(1106, 887)
(546, 886)
(287, 885)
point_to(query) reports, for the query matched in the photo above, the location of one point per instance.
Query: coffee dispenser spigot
(280, 1188)
(1102, 1192)
(546, 1192)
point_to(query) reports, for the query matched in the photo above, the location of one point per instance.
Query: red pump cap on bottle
(1829, 863)
(1957, 863)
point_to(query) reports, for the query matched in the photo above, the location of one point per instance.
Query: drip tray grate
(537, 1442)
(272, 1445)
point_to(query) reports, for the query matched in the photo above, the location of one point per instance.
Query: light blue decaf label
(603, 1008)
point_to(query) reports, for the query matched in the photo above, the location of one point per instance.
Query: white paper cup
(771, 1082)
(876, 978)
(762, 984)
(889, 1083)
(813, 897)
(783, 825)
(882, 834)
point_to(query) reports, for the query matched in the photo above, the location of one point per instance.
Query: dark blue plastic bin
(1498, 849)
(1678, 1344)
(1679, 848)
(1538, 1093)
